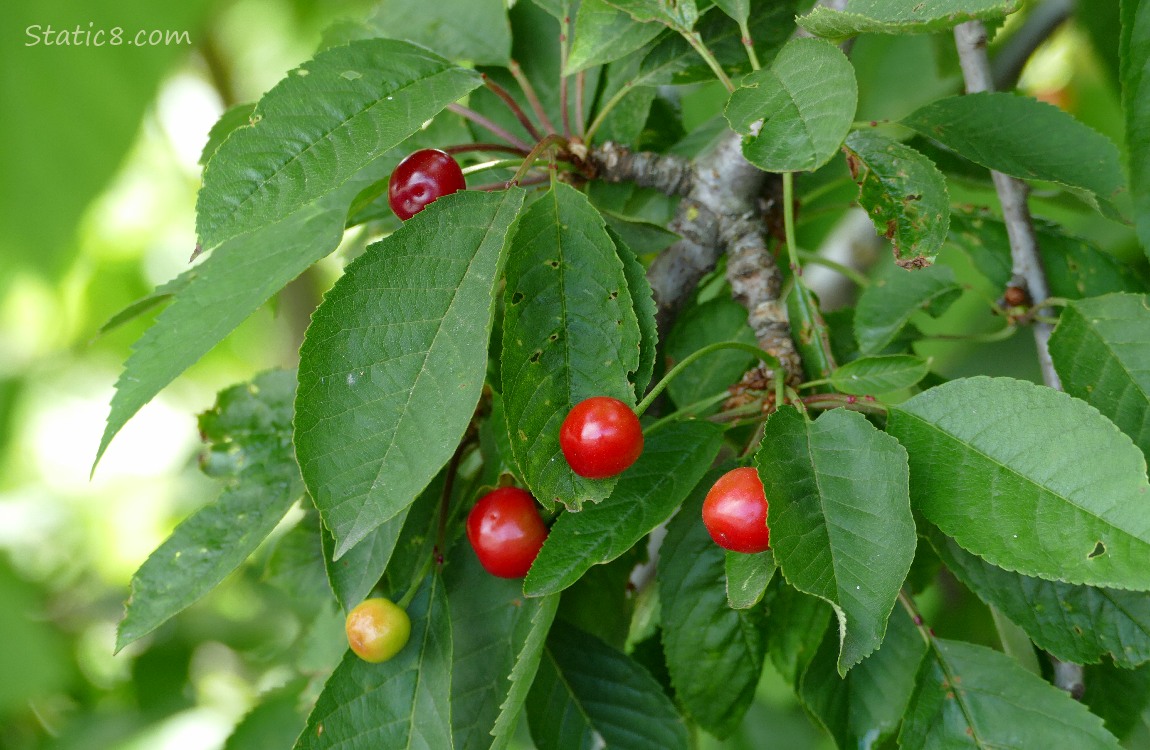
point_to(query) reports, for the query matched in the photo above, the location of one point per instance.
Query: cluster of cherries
(600, 437)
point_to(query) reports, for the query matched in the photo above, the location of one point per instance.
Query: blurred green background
(99, 152)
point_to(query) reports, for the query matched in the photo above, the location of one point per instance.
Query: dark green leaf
(739, 10)
(714, 653)
(569, 333)
(587, 694)
(235, 117)
(674, 459)
(273, 724)
(901, 16)
(604, 33)
(318, 127)
(1101, 351)
(970, 696)
(865, 707)
(644, 305)
(879, 374)
(475, 31)
(795, 625)
(720, 319)
(394, 361)
(678, 14)
(806, 100)
(403, 702)
(748, 577)
(490, 623)
(1119, 696)
(162, 294)
(251, 425)
(903, 193)
(840, 519)
(523, 673)
(296, 566)
(1134, 49)
(885, 308)
(642, 237)
(997, 131)
(1078, 624)
(1030, 479)
(600, 603)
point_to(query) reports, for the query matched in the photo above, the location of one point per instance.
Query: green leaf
(970, 696)
(1101, 352)
(490, 623)
(997, 131)
(394, 361)
(748, 577)
(523, 673)
(879, 374)
(901, 16)
(714, 653)
(273, 724)
(560, 9)
(295, 566)
(403, 702)
(795, 625)
(806, 100)
(235, 117)
(1079, 624)
(1074, 267)
(569, 333)
(1118, 695)
(903, 193)
(885, 308)
(678, 14)
(674, 459)
(587, 694)
(841, 526)
(865, 707)
(604, 34)
(643, 300)
(319, 126)
(720, 319)
(1134, 49)
(643, 237)
(1030, 479)
(251, 426)
(163, 293)
(739, 10)
(475, 31)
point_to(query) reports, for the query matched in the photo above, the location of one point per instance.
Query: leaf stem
(916, 617)
(513, 105)
(605, 110)
(564, 36)
(532, 97)
(487, 166)
(852, 274)
(580, 84)
(483, 122)
(696, 42)
(767, 359)
(863, 404)
(749, 44)
(688, 410)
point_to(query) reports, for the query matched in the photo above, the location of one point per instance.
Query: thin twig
(513, 106)
(525, 182)
(483, 122)
(532, 97)
(564, 35)
(580, 83)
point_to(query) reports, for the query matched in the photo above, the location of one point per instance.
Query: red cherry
(600, 437)
(735, 512)
(421, 178)
(506, 532)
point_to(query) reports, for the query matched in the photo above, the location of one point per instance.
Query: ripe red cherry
(600, 437)
(422, 177)
(506, 532)
(377, 629)
(735, 512)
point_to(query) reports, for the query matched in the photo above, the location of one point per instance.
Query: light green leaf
(235, 117)
(569, 333)
(806, 101)
(326, 121)
(879, 374)
(901, 16)
(403, 702)
(865, 707)
(250, 429)
(748, 577)
(841, 526)
(1101, 350)
(643, 237)
(1030, 479)
(523, 673)
(1079, 624)
(587, 694)
(997, 130)
(475, 31)
(720, 319)
(678, 14)
(714, 653)
(885, 308)
(1134, 49)
(903, 193)
(738, 10)
(394, 361)
(970, 696)
(604, 33)
(674, 459)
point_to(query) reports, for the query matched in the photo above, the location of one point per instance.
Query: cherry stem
(483, 122)
(535, 180)
(550, 142)
(605, 110)
(464, 148)
(859, 279)
(580, 83)
(513, 106)
(687, 410)
(413, 587)
(486, 166)
(864, 404)
(532, 97)
(563, 36)
(445, 502)
(686, 362)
